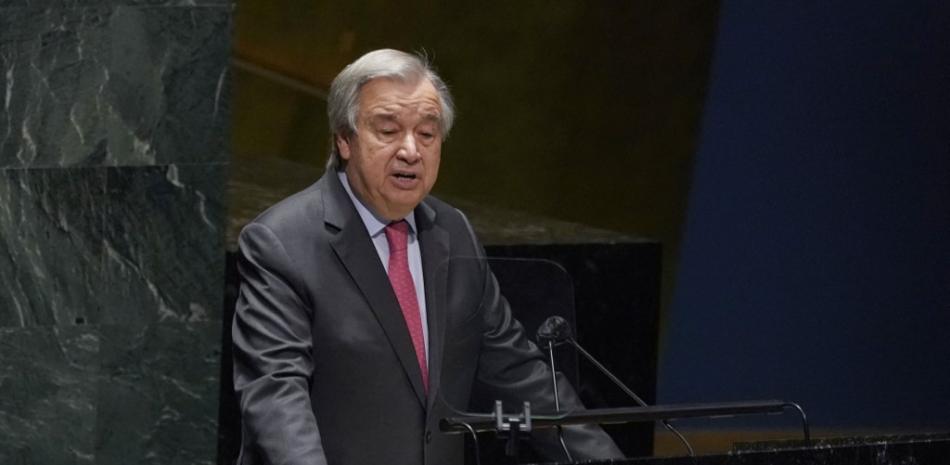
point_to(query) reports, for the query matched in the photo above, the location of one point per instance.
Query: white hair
(343, 100)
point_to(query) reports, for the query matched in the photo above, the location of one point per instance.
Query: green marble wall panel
(109, 394)
(113, 85)
(48, 381)
(158, 395)
(65, 4)
(111, 245)
(51, 246)
(113, 122)
(163, 240)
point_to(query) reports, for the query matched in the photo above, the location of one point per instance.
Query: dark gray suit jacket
(323, 362)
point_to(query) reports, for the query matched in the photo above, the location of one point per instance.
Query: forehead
(383, 96)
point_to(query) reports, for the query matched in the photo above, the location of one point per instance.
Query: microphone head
(555, 329)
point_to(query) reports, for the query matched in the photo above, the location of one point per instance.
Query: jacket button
(428, 437)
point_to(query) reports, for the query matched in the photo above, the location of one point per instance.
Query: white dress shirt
(376, 227)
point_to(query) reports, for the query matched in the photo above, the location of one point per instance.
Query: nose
(409, 149)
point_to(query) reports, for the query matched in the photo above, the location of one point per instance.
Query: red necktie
(397, 234)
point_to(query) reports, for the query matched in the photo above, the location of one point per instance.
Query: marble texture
(112, 245)
(110, 329)
(47, 394)
(109, 394)
(163, 233)
(909, 449)
(113, 85)
(65, 4)
(925, 449)
(51, 246)
(113, 158)
(740, 448)
(157, 395)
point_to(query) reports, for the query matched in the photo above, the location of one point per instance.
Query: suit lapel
(355, 249)
(434, 245)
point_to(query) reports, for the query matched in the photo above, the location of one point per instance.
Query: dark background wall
(815, 264)
(581, 111)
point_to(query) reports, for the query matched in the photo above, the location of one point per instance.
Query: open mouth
(406, 176)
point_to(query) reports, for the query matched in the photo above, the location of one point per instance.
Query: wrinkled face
(392, 160)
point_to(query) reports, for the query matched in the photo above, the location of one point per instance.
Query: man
(361, 316)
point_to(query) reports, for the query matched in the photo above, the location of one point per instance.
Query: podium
(920, 449)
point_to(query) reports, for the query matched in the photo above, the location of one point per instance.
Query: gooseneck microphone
(552, 330)
(555, 330)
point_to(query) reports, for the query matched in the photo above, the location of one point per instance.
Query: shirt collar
(374, 224)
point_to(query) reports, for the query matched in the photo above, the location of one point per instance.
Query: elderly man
(361, 316)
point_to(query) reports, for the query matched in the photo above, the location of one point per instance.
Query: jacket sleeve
(272, 355)
(514, 369)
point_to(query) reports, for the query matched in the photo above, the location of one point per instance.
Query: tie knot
(397, 234)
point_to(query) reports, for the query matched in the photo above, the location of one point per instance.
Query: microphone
(555, 330)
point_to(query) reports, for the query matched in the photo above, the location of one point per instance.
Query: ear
(343, 146)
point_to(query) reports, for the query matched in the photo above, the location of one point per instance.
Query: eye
(427, 134)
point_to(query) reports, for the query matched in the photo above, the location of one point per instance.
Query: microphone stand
(557, 329)
(623, 387)
(557, 401)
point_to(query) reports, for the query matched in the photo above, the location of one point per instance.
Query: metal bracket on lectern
(512, 427)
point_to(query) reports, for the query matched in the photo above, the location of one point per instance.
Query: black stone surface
(930, 449)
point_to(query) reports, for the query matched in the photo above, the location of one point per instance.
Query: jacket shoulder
(446, 215)
(295, 213)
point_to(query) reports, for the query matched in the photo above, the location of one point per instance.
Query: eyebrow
(394, 117)
(433, 117)
(383, 116)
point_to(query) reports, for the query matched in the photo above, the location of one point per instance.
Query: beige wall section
(577, 110)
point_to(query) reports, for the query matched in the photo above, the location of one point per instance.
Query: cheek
(376, 162)
(433, 158)
(432, 169)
